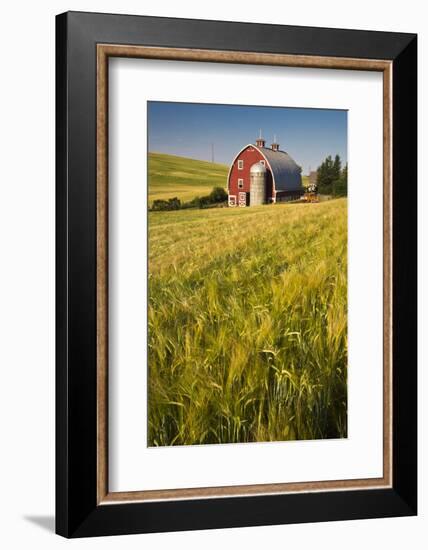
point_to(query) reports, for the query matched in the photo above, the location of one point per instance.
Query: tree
(325, 175)
(335, 173)
(331, 179)
(170, 204)
(341, 188)
(218, 194)
(337, 168)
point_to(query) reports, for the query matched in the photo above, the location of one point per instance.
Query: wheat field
(185, 178)
(247, 324)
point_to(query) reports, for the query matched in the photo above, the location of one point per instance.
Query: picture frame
(84, 44)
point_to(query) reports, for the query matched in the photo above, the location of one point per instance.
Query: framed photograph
(236, 274)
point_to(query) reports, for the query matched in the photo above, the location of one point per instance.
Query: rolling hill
(172, 176)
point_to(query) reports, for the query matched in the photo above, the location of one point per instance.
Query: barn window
(240, 164)
(240, 184)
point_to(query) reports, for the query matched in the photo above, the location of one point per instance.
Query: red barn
(263, 175)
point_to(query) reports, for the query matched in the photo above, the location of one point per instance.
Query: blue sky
(190, 129)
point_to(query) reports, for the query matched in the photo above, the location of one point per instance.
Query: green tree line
(332, 178)
(217, 196)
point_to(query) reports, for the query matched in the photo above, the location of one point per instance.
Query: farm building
(263, 175)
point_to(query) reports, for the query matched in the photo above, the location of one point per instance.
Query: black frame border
(77, 512)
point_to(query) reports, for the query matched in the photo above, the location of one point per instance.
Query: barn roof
(286, 172)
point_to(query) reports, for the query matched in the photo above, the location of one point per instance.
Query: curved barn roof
(286, 173)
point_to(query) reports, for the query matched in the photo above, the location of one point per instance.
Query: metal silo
(257, 184)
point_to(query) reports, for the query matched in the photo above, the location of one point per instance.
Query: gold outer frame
(104, 52)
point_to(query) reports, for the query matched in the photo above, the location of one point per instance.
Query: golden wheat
(248, 324)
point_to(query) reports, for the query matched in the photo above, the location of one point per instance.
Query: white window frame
(233, 202)
(240, 183)
(240, 164)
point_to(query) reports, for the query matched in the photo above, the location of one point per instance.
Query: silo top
(258, 168)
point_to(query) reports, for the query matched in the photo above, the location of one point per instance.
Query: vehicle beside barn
(263, 175)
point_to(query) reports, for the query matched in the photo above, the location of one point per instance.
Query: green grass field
(171, 176)
(248, 324)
